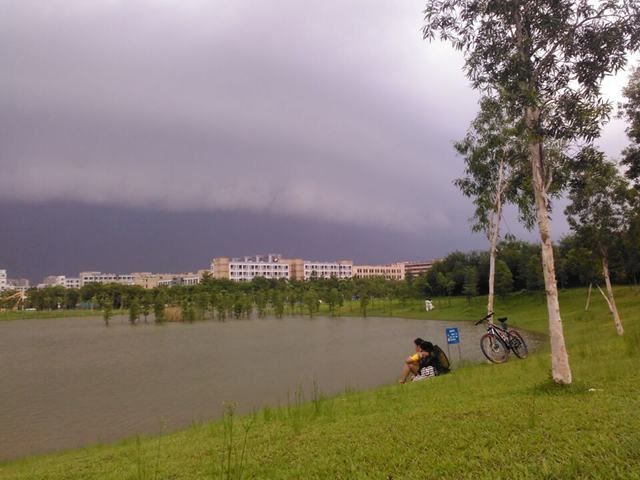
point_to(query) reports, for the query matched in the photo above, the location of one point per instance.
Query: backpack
(438, 360)
(443, 365)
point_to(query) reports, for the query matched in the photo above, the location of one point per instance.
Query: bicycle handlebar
(490, 314)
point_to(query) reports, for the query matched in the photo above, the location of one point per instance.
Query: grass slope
(481, 422)
(44, 314)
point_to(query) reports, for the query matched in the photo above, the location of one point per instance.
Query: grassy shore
(26, 314)
(480, 422)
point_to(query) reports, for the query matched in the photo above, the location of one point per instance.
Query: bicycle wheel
(518, 344)
(494, 348)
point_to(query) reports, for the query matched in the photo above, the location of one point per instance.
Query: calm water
(68, 383)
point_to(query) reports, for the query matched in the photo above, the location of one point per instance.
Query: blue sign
(453, 336)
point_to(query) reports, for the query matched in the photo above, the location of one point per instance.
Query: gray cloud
(334, 110)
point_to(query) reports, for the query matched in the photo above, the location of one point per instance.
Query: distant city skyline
(159, 134)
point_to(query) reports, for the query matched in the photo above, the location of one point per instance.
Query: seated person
(412, 363)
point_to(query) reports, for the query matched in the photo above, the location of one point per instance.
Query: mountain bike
(500, 340)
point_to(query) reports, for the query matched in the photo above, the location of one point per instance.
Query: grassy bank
(484, 421)
(26, 315)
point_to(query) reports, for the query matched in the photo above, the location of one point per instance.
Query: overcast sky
(161, 133)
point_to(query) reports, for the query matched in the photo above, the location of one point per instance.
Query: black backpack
(436, 359)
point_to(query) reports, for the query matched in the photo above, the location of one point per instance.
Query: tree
(134, 310)
(545, 59)
(599, 212)
(470, 287)
(106, 304)
(493, 154)
(310, 300)
(630, 111)
(159, 305)
(504, 278)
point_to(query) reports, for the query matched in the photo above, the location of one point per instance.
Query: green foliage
(134, 310)
(504, 278)
(470, 287)
(630, 111)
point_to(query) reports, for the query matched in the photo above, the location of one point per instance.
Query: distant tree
(504, 278)
(134, 310)
(159, 305)
(201, 300)
(278, 303)
(599, 212)
(311, 301)
(147, 304)
(106, 304)
(470, 288)
(333, 299)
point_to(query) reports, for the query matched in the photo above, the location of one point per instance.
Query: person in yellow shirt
(412, 362)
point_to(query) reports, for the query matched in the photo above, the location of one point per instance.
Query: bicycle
(500, 340)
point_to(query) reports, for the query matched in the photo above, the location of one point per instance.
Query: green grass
(480, 422)
(25, 315)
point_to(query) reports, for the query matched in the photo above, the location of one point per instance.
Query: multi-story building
(300, 269)
(60, 281)
(152, 280)
(72, 282)
(53, 281)
(98, 277)
(393, 271)
(3, 280)
(18, 284)
(184, 279)
(244, 269)
(417, 268)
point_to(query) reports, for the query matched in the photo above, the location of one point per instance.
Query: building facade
(393, 271)
(98, 277)
(245, 269)
(3, 280)
(300, 269)
(417, 268)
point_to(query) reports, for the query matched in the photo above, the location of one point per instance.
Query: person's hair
(418, 341)
(427, 346)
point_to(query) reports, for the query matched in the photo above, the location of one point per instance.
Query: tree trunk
(560, 369)
(612, 301)
(586, 307)
(494, 234)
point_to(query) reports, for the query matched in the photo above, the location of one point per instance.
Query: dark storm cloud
(284, 114)
(335, 110)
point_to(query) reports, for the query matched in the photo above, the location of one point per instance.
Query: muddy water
(68, 383)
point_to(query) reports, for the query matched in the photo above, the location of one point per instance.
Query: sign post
(453, 338)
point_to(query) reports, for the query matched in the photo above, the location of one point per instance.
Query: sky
(154, 135)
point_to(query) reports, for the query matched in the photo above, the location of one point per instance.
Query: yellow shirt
(415, 358)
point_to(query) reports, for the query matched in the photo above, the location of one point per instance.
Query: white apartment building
(98, 277)
(3, 280)
(60, 281)
(341, 270)
(244, 269)
(72, 282)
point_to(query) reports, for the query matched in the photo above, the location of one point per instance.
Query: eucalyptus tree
(630, 111)
(494, 155)
(545, 59)
(599, 212)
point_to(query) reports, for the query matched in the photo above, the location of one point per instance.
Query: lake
(68, 383)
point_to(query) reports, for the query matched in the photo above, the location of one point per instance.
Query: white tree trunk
(586, 307)
(560, 369)
(612, 301)
(494, 234)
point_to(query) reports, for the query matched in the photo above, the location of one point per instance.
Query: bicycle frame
(500, 332)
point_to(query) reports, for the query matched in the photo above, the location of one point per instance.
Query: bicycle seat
(503, 319)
